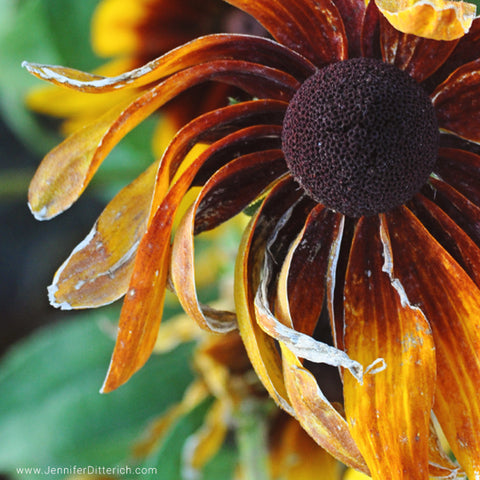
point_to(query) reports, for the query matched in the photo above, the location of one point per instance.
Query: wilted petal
(245, 178)
(352, 13)
(317, 415)
(261, 348)
(457, 102)
(419, 57)
(66, 171)
(451, 302)
(436, 19)
(99, 269)
(201, 50)
(141, 312)
(312, 28)
(389, 414)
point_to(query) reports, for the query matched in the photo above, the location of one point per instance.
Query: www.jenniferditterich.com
(86, 470)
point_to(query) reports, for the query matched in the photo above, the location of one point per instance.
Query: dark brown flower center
(360, 136)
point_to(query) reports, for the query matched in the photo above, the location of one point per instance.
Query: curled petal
(391, 407)
(66, 171)
(317, 415)
(451, 302)
(261, 348)
(435, 19)
(457, 102)
(141, 312)
(98, 271)
(240, 171)
(312, 28)
(201, 50)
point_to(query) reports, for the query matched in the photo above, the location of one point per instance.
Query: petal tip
(52, 290)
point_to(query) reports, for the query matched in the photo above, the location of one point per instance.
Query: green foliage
(51, 413)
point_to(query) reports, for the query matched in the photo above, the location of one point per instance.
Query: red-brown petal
(419, 57)
(389, 414)
(308, 266)
(462, 248)
(457, 102)
(461, 170)
(311, 28)
(451, 302)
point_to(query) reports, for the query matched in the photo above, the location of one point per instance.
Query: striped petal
(435, 19)
(457, 102)
(389, 414)
(312, 28)
(261, 348)
(451, 302)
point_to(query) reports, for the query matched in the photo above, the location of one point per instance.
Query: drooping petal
(389, 414)
(457, 102)
(201, 50)
(312, 28)
(419, 57)
(98, 270)
(67, 170)
(210, 127)
(435, 19)
(317, 415)
(451, 302)
(261, 348)
(253, 172)
(141, 312)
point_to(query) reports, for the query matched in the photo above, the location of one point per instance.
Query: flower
(357, 157)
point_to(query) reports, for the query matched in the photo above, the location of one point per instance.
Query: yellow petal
(295, 456)
(98, 270)
(435, 19)
(389, 413)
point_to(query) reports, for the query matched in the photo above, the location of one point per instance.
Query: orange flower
(359, 150)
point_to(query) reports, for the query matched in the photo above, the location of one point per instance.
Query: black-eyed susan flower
(358, 156)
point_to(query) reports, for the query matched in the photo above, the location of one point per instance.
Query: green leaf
(51, 412)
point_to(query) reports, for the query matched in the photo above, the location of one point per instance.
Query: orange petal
(317, 415)
(435, 19)
(389, 414)
(314, 29)
(99, 269)
(456, 102)
(201, 50)
(451, 302)
(246, 167)
(419, 57)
